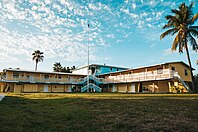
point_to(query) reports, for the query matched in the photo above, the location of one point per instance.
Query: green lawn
(99, 112)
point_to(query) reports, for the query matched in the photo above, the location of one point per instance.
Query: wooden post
(154, 87)
(169, 85)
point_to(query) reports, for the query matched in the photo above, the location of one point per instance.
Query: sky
(121, 33)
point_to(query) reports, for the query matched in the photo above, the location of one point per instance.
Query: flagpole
(88, 61)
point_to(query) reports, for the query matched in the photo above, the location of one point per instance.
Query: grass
(99, 112)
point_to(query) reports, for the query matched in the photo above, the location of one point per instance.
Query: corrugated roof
(146, 67)
(62, 73)
(101, 66)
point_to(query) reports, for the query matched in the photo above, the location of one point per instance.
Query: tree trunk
(189, 61)
(36, 66)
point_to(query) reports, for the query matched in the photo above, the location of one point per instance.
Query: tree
(181, 25)
(57, 67)
(37, 57)
(196, 80)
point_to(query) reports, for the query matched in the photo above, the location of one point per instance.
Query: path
(1, 96)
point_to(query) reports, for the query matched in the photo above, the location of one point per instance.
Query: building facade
(102, 78)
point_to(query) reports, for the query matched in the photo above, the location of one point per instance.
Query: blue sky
(122, 32)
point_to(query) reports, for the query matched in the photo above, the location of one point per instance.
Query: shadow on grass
(99, 114)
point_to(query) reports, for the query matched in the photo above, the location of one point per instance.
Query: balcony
(41, 80)
(133, 77)
(143, 76)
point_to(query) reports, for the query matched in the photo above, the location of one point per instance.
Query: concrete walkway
(1, 96)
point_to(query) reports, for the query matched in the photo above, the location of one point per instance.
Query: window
(15, 75)
(111, 68)
(159, 71)
(46, 76)
(186, 72)
(173, 68)
(59, 76)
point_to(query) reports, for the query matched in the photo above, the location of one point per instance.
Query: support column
(169, 86)
(140, 87)
(154, 87)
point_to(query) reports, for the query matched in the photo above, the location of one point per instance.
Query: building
(156, 78)
(96, 69)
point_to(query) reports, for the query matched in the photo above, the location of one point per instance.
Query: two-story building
(156, 78)
(16, 80)
(102, 78)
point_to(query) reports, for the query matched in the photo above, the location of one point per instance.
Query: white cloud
(110, 35)
(168, 51)
(149, 25)
(133, 6)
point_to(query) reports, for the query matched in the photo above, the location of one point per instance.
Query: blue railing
(91, 86)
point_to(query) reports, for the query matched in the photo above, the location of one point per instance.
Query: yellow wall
(122, 87)
(40, 87)
(30, 88)
(58, 88)
(179, 67)
(18, 88)
(2, 85)
(163, 86)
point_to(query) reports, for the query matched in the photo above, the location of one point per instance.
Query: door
(133, 88)
(46, 88)
(31, 78)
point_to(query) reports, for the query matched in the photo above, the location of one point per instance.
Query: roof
(22, 70)
(102, 66)
(147, 67)
(180, 62)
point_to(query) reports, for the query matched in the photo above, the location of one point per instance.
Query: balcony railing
(134, 77)
(143, 76)
(46, 80)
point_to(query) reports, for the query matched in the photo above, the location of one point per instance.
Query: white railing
(134, 77)
(175, 74)
(142, 76)
(39, 79)
(93, 77)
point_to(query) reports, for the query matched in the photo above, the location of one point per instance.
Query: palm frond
(193, 19)
(194, 27)
(176, 12)
(173, 19)
(168, 32)
(191, 5)
(169, 24)
(175, 43)
(193, 42)
(193, 31)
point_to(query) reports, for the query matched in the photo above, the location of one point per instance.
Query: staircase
(91, 86)
(176, 75)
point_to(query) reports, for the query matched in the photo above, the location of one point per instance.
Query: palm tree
(181, 25)
(57, 67)
(37, 56)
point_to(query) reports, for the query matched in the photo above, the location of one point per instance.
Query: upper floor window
(159, 71)
(15, 75)
(173, 68)
(186, 72)
(59, 76)
(46, 76)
